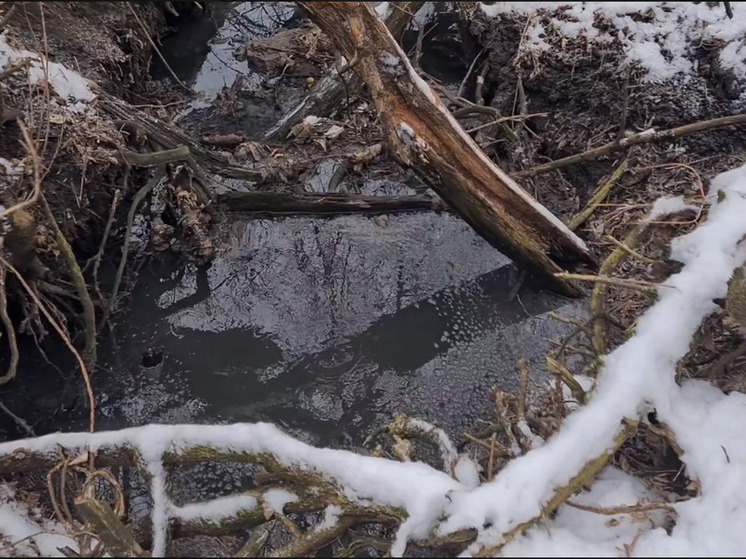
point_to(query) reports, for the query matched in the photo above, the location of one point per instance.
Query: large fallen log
(282, 203)
(332, 90)
(422, 134)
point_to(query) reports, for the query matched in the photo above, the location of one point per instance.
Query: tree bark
(422, 134)
(332, 90)
(325, 204)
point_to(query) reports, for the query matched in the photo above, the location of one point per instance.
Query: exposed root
(65, 339)
(10, 331)
(89, 312)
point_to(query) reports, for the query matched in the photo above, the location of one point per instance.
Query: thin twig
(156, 49)
(468, 73)
(36, 164)
(10, 332)
(139, 197)
(639, 285)
(644, 137)
(625, 106)
(19, 421)
(89, 312)
(630, 250)
(556, 368)
(7, 16)
(598, 297)
(598, 197)
(624, 509)
(65, 339)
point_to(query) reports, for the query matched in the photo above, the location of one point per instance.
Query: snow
(416, 487)
(667, 206)
(16, 525)
(331, 517)
(276, 499)
(637, 377)
(574, 532)
(467, 472)
(69, 85)
(662, 44)
(448, 452)
(216, 509)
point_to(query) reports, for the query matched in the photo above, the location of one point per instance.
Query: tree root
(89, 312)
(65, 339)
(10, 331)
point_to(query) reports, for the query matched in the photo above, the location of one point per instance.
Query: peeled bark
(422, 134)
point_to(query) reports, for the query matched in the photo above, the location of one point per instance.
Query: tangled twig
(65, 339)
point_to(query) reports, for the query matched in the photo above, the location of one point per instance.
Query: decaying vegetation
(596, 151)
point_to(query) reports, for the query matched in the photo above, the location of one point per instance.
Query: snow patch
(667, 206)
(331, 517)
(69, 85)
(41, 537)
(216, 509)
(383, 10)
(467, 472)
(276, 499)
(661, 36)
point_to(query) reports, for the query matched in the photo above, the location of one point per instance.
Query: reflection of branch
(202, 292)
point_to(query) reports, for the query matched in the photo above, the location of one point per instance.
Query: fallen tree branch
(153, 159)
(139, 197)
(325, 204)
(423, 135)
(601, 193)
(650, 135)
(169, 136)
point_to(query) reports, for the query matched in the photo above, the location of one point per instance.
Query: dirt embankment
(65, 182)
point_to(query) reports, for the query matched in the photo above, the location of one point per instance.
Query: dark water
(326, 327)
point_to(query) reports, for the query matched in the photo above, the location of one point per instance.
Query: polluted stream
(325, 327)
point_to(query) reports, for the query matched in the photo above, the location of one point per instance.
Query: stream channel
(326, 327)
